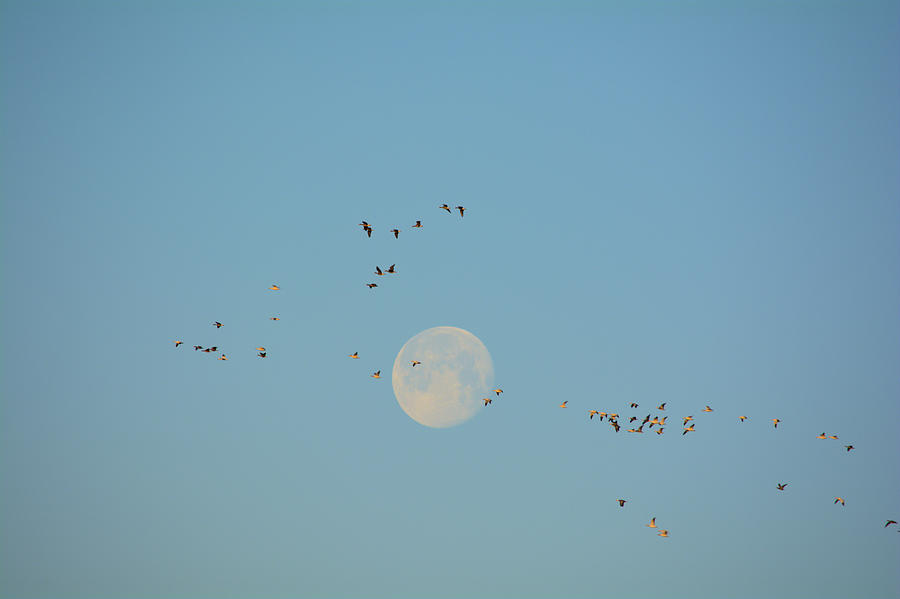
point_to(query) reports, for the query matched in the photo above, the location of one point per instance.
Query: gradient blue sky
(691, 202)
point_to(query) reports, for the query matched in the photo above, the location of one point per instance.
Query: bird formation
(651, 420)
(367, 229)
(261, 351)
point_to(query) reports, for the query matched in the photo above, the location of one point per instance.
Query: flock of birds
(612, 418)
(659, 420)
(261, 351)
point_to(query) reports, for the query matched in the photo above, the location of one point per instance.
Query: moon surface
(445, 390)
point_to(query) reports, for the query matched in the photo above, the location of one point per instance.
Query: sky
(684, 202)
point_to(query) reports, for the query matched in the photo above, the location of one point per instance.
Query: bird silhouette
(621, 502)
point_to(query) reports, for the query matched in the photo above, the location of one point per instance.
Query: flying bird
(222, 357)
(355, 355)
(822, 436)
(849, 447)
(177, 343)
(661, 406)
(414, 362)
(371, 285)
(659, 431)
(368, 231)
(261, 354)
(833, 437)
(707, 409)
(260, 349)
(592, 413)
(498, 390)
(621, 502)
(841, 499)
(218, 324)
(652, 522)
(686, 418)
(775, 421)
(274, 287)
(396, 233)
(663, 533)
(210, 349)
(689, 429)
(614, 424)
(742, 418)
(196, 347)
(633, 405)
(418, 225)
(378, 271)
(391, 269)
(487, 400)
(461, 210)
(274, 318)
(445, 207)
(889, 522)
(376, 374)
(563, 404)
(781, 486)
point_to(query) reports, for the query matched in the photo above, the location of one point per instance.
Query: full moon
(446, 387)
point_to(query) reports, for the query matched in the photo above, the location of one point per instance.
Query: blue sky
(689, 202)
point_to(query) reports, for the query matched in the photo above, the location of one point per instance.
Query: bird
(633, 405)
(775, 421)
(368, 231)
(822, 436)
(659, 431)
(781, 486)
(841, 499)
(376, 374)
(849, 447)
(707, 409)
(833, 437)
(686, 418)
(621, 502)
(196, 347)
(371, 285)
(563, 404)
(378, 271)
(742, 418)
(498, 390)
(355, 355)
(461, 210)
(261, 354)
(364, 225)
(210, 349)
(222, 357)
(390, 269)
(274, 287)
(661, 406)
(614, 424)
(396, 233)
(632, 418)
(418, 225)
(414, 362)
(889, 522)
(592, 413)
(663, 533)
(652, 522)
(487, 400)
(260, 349)
(218, 324)
(274, 318)
(177, 343)
(445, 207)
(689, 429)
(613, 416)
